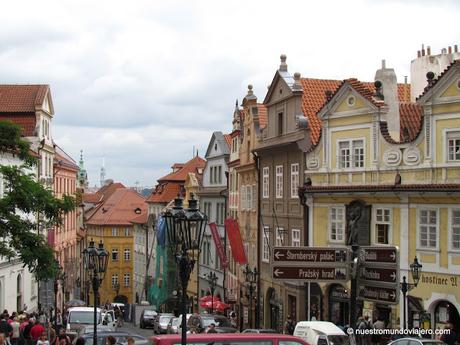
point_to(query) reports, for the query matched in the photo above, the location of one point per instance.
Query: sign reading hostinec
(311, 264)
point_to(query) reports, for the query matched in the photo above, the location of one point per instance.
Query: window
(207, 209)
(453, 146)
(279, 236)
(351, 154)
(127, 232)
(234, 144)
(428, 223)
(127, 254)
(337, 223)
(455, 226)
(280, 123)
(219, 174)
(126, 279)
(114, 231)
(243, 196)
(294, 180)
(115, 254)
(295, 238)
(114, 280)
(220, 217)
(249, 197)
(265, 183)
(266, 247)
(279, 181)
(254, 197)
(382, 225)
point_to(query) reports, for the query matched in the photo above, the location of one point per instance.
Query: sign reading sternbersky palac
(311, 264)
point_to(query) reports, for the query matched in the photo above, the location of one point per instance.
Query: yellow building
(399, 162)
(112, 223)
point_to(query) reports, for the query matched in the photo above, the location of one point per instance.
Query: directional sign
(379, 255)
(379, 294)
(378, 275)
(307, 255)
(310, 273)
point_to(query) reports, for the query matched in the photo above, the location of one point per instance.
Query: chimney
(428, 50)
(385, 80)
(456, 48)
(418, 53)
(423, 50)
(297, 85)
(328, 95)
(450, 50)
(443, 51)
(283, 65)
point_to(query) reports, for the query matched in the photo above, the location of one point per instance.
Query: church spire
(82, 174)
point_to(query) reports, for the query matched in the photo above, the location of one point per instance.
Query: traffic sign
(379, 255)
(307, 255)
(379, 275)
(379, 294)
(310, 273)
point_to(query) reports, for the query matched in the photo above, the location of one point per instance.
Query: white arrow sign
(279, 255)
(277, 272)
(393, 255)
(393, 275)
(393, 296)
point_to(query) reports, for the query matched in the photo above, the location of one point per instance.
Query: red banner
(219, 246)
(236, 242)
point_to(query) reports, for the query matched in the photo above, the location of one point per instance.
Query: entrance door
(444, 313)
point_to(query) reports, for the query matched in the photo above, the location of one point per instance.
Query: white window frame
(376, 222)
(265, 182)
(451, 135)
(295, 237)
(114, 279)
(115, 250)
(419, 244)
(243, 196)
(279, 236)
(451, 230)
(351, 153)
(127, 251)
(126, 279)
(332, 221)
(114, 232)
(279, 182)
(295, 180)
(266, 244)
(127, 232)
(248, 197)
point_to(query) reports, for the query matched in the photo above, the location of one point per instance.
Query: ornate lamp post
(415, 269)
(95, 262)
(250, 276)
(59, 276)
(212, 280)
(185, 230)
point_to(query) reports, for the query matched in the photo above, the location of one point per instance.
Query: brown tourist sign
(308, 255)
(310, 273)
(379, 255)
(378, 294)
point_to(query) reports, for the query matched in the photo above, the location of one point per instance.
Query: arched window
(19, 293)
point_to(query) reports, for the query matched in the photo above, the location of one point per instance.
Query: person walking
(289, 326)
(15, 332)
(36, 331)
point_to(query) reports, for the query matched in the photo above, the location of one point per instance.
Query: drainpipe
(258, 311)
(306, 219)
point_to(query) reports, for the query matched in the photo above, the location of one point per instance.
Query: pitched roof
(27, 122)
(180, 175)
(120, 208)
(92, 198)
(313, 98)
(435, 81)
(141, 219)
(165, 192)
(21, 98)
(228, 139)
(62, 159)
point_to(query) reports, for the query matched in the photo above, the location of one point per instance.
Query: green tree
(27, 206)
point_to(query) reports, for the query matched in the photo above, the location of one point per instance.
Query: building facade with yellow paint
(112, 223)
(400, 162)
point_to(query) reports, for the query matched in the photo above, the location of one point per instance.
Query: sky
(140, 84)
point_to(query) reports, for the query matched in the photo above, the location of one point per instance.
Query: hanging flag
(161, 231)
(236, 243)
(219, 246)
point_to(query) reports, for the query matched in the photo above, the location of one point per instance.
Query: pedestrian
(110, 340)
(449, 336)
(42, 340)
(130, 341)
(80, 341)
(5, 327)
(377, 337)
(289, 326)
(15, 332)
(362, 326)
(2, 339)
(233, 320)
(26, 331)
(211, 328)
(64, 340)
(36, 331)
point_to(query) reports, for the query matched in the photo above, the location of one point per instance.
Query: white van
(80, 317)
(321, 333)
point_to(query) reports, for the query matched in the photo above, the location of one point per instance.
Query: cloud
(141, 83)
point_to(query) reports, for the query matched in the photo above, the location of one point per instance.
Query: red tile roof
(313, 98)
(120, 208)
(142, 219)
(410, 121)
(21, 98)
(228, 139)
(262, 115)
(92, 198)
(180, 175)
(25, 121)
(165, 192)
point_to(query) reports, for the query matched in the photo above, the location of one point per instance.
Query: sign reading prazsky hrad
(378, 275)
(311, 264)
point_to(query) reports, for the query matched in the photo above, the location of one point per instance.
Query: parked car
(147, 318)
(120, 337)
(226, 329)
(108, 319)
(160, 325)
(80, 317)
(321, 333)
(222, 339)
(200, 322)
(253, 330)
(90, 329)
(416, 341)
(179, 328)
(173, 325)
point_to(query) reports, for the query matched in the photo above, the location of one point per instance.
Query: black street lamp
(212, 280)
(415, 269)
(250, 277)
(59, 276)
(185, 235)
(95, 262)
